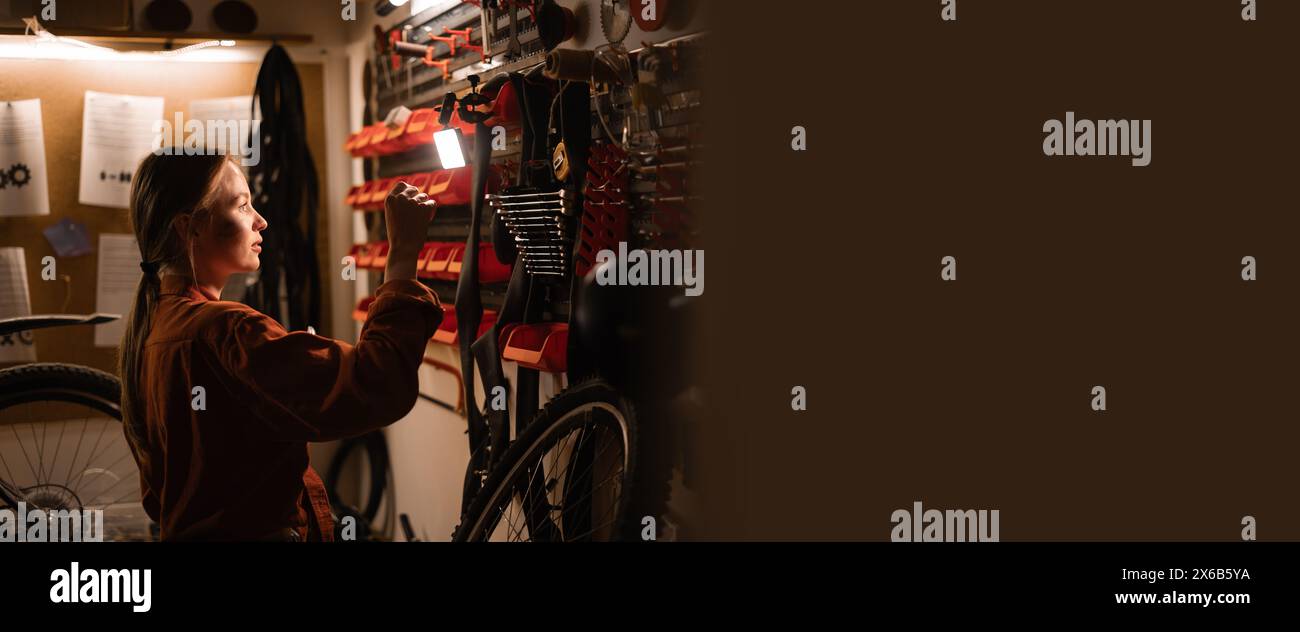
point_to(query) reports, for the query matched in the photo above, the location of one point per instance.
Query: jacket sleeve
(304, 387)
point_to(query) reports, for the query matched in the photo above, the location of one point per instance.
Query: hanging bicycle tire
(566, 477)
(62, 446)
(374, 448)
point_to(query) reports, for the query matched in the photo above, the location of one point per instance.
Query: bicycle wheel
(62, 448)
(565, 477)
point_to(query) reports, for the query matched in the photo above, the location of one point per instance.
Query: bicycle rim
(567, 484)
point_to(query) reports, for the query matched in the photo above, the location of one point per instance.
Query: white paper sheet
(117, 132)
(235, 110)
(223, 109)
(23, 189)
(15, 301)
(119, 275)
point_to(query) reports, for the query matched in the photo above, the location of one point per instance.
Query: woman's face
(231, 240)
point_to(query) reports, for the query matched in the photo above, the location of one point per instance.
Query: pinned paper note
(119, 276)
(225, 109)
(68, 238)
(23, 189)
(117, 132)
(15, 301)
(229, 125)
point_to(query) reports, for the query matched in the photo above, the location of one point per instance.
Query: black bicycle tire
(377, 456)
(65, 382)
(543, 424)
(60, 382)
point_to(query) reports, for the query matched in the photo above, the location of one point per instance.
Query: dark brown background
(925, 140)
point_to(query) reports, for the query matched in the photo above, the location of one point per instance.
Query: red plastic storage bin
(362, 309)
(419, 181)
(374, 145)
(363, 255)
(489, 269)
(436, 265)
(379, 255)
(420, 127)
(361, 146)
(541, 346)
(351, 145)
(452, 271)
(394, 140)
(450, 187)
(423, 260)
(375, 201)
(448, 332)
(351, 199)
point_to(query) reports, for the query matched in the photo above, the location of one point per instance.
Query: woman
(218, 400)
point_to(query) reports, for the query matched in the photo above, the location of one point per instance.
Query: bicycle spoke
(523, 524)
(527, 494)
(527, 506)
(94, 453)
(39, 461)
(124, 496)
(77, 490)
(5, 462)
(530, 508)
(620, 471)
(589, 468)
(510, 523)
(63, 428)
(45, 428)
(85, 421)
(22, 446)
(568, 479)
(602, 484)
(559, 528)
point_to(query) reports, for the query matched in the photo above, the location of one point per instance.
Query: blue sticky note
(68, 238)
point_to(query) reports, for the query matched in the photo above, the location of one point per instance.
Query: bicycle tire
(376, 449)
(547, 427)
(70, 384)
(55, 381)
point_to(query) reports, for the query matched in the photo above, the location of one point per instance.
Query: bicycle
(41, 404)
(569, 471)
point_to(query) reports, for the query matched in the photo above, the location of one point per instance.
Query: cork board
(61, 86)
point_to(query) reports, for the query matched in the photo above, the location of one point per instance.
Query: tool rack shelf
(427, 86)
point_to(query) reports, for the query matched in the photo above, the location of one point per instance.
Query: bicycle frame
(525, 296)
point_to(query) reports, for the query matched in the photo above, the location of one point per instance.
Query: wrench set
(540, 221)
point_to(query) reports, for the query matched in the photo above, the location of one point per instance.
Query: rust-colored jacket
(237, 468)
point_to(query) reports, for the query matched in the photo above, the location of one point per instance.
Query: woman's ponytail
(165, 186)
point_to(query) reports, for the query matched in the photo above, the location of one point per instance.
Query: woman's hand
(408, 212)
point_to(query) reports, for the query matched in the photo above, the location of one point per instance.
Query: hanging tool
(406, 29)
(383, 46)
(515, 51)
(555, 24)
(464, 35)
(615, 20)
